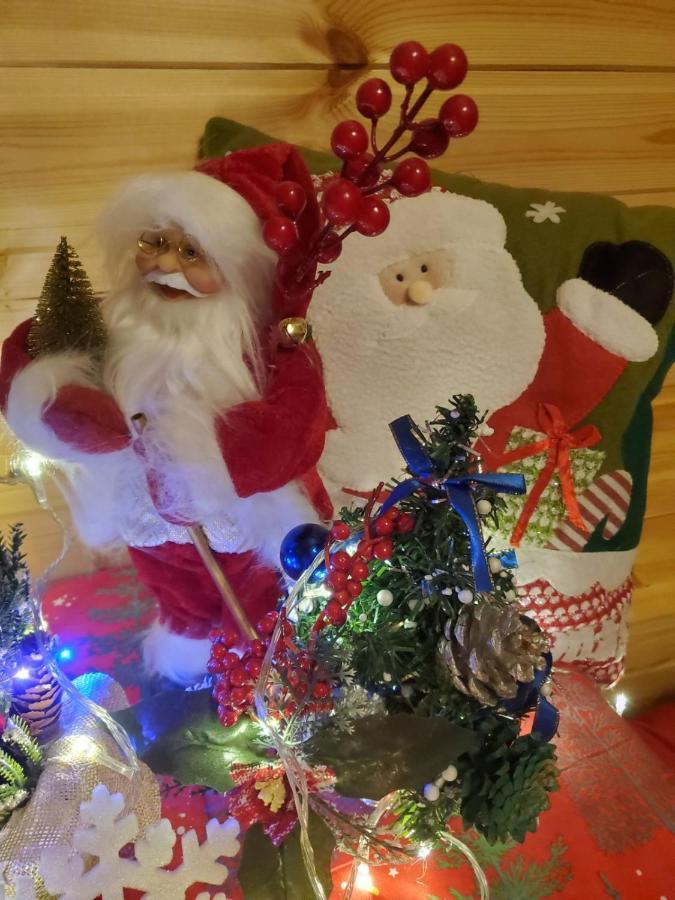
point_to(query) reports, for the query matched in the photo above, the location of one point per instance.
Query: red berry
(355, 170)
(384, 525)
(334, 613)
(359, 570)
(447, 67)
(412, 177)
(373, 98)
(291, 198)
(295, 677)
(214, 666)
(280, 234)
(321, 690)
(459, 115)
(340, 531)
(229, 637)
(257, 648)
(330, 248)
(340, 561)
(354, 588)
(349, 139)
(384, 549)
(240, 696)
(253, 667)
(373, 218)
(341, 202)
(305, 661)
(336, 580)
(268, 623)
(342, 598)
(408, 62)
(364, 550)
(430, 139)
(239, 677)
(228, 716)
(405, 523)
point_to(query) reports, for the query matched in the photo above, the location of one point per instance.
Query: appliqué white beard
(181, 364)
(484, 335)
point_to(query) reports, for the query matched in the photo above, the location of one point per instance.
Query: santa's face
(432, 308)
(176, 266)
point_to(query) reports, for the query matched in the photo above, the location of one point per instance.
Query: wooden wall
(573, 95)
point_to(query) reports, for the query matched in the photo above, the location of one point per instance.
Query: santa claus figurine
(233, 421)
(436, 306)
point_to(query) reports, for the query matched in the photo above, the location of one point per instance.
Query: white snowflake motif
(104, 830)
(545, 212)
(393, 872)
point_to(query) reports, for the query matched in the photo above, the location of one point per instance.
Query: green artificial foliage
(68, 315)
(20, 766)
(15, 613)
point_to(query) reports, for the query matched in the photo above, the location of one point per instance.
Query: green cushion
(548, 253)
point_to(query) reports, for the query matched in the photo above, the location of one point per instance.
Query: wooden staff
(201, 542)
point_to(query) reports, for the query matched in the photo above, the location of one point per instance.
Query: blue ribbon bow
(457, 491)
(546, 716)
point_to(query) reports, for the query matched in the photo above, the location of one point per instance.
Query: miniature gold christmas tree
(67, 316)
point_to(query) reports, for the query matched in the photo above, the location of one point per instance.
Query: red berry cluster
(346, 573)
(235, 675)
(350, 202)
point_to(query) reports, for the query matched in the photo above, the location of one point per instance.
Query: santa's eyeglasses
(156, 242)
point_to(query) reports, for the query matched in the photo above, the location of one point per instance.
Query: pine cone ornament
(489, 649)
(37, 694)
(505, 784)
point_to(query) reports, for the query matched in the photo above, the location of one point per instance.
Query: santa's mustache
(175, 280)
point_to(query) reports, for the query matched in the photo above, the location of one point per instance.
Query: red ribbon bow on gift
(557, 445)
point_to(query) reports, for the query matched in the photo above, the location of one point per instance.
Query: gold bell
(295, 331)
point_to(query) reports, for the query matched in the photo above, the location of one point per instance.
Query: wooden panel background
(573, 95)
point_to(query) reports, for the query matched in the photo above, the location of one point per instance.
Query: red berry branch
(354, 201)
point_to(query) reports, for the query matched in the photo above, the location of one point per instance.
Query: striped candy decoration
(607, 498)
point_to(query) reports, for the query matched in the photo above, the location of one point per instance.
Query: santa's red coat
(266, 444)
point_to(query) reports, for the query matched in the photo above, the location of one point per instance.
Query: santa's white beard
(482, 336)
(181, 364)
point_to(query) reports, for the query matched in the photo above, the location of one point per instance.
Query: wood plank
(68, 140)
(524, 33)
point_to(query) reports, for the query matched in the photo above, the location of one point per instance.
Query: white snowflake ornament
(545, 212)
(104, 830)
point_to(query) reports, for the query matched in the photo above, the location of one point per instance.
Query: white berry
(385, 597)
(386, 676)
(465, 596)
(431, 793)
(450, 773)
(495, 564)
(484, 507)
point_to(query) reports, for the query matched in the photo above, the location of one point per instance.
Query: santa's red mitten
(87, 419)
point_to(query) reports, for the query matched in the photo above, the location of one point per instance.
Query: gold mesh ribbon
(82, 756)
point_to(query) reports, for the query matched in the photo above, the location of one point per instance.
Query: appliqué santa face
(385, 354)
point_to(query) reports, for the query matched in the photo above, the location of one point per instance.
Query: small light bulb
(32, 463)
(621, 703)
(424, 851)
(83, 747)
(363, 880)
(22, 673)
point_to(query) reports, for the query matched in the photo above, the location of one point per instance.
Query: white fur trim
(33, 389)
(178, 658)
(574, 573)
(605, 319)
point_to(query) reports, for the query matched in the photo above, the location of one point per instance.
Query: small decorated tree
(67, 315)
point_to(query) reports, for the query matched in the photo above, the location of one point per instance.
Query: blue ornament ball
(299, 548)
